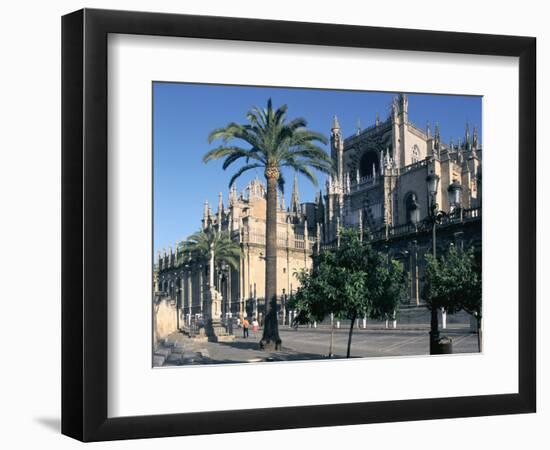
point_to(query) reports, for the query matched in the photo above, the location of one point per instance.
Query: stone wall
(164, 319)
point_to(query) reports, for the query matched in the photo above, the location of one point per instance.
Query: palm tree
(213, 247)
(271, 143)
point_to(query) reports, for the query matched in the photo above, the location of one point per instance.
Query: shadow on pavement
(241, 345)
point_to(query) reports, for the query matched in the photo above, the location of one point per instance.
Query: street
(307, 344)
(377, 342)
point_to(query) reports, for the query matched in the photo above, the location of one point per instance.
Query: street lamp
(433, 182)
(434, 218)
(223, 275)
(455, 195)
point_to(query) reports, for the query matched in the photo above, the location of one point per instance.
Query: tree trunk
(434, 331)
(479, 345)
(331, 350)
(350, 334)
(270, 339)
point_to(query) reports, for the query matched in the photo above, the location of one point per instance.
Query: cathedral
(379, 184)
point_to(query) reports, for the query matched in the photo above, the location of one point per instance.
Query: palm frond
(295, 124)
(303, 135)
(280, 113)
(225, 133)
(273, 140)
(242, 170)
(281, 183)
(306, 171)
(221, 151)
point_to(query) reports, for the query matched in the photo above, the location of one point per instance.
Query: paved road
(374, 342)
(313, 343)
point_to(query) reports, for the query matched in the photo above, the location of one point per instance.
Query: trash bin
(443, 347)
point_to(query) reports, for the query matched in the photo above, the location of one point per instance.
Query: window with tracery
(415, 154)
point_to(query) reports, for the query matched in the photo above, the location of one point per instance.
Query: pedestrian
(245, 327)
(255, 325)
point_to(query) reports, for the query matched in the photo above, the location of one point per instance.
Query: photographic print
(311, 224)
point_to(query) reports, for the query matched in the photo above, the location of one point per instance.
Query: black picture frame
(84, 224)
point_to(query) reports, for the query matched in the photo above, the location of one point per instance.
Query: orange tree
(350, 281)
(453, 282)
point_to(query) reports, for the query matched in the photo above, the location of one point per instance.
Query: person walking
(245, 327)
(255, 325)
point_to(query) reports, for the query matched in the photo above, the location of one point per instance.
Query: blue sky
(184, 114)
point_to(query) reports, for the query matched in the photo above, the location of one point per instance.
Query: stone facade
(242, 289)
(380, 173)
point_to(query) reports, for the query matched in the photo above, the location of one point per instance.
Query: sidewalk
(178, 349)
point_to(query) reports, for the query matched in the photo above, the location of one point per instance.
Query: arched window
(368, 163)
(415, 154)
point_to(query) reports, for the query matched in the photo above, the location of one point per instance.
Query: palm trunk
(270, 339)
(211, 269)
(350, 335)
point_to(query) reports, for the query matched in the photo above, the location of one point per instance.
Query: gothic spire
(437, 139)
(205, 214)
(220, 211)
(220, 202)
(335, 123)
(295, 198)
(232, 194)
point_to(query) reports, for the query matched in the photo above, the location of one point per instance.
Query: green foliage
(393, 288)
(199, 245)
(453, 282)
(271, 141)
(350, 281)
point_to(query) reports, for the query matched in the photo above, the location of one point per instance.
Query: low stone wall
(164, 320)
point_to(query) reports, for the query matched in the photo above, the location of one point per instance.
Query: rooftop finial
(437, 137)
(335, 123)
(475, 139)
(358, 127)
